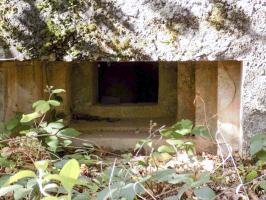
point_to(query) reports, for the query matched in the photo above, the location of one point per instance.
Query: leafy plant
(54, 134)
(43, 184)
(184, 128)
(176, 134)
(258, 146)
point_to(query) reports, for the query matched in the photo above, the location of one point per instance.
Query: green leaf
(52, 142)
(166, 132)
(166, 149)
(171, 177)
(42, 107)
(42, 164)
(82, 196)
(68, 132)
(57, 91)
(256, 146)
(261, 155)
(204, 178)
(21, 193)
(53, 127)
(20, 175)
(54, 103)
(205, 193)
(3, 180)
(50, 198)
(69, 174)
(8, 189)
(29, 117)
(67, 143)
(262, 184)
(174, 142)
(183, 127)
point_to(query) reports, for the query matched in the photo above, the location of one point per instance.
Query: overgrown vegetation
(38, 161)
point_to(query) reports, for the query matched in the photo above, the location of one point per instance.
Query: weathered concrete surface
(24, 83)
(228, 102)
(178, 30)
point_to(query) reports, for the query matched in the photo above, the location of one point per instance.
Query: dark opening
(128, 82)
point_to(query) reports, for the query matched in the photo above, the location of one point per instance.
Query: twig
(230, 155)
(135, 184)
(110, 180)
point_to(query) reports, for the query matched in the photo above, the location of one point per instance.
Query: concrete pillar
(186, 91)
(2, 92)
(229, 83)
(206, 94)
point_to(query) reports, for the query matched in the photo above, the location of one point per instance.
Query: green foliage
(184, 128)
(43, 180)
(258, 146)
(177, 132)
(54, 134)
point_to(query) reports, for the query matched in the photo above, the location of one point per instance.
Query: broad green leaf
(7, 189)
(50, 198)
(258, 137)
(175, 142)
(29, 117)
(69, 174)
(42, 164)
(205, 193)
(21, 193)
(159, 176)
(38, 103)
(171, 177)
(130, 190)
(20, 175)
(82, 196)
(42, 107)
(204, 178)
(4, 179)
(183, 127)
(256, 146)
(54, 103)
(262, 184)
(166, 149)
(67, 143)
(68, 132)
(52, 142)
(105, 193)
(166, 132)
(57, 91)
(53, 127)
(261, 155)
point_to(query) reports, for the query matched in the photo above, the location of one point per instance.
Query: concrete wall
(24, 83)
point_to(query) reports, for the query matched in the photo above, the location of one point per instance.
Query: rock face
(168, 30)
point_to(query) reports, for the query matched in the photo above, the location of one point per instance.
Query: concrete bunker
(206, 92)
